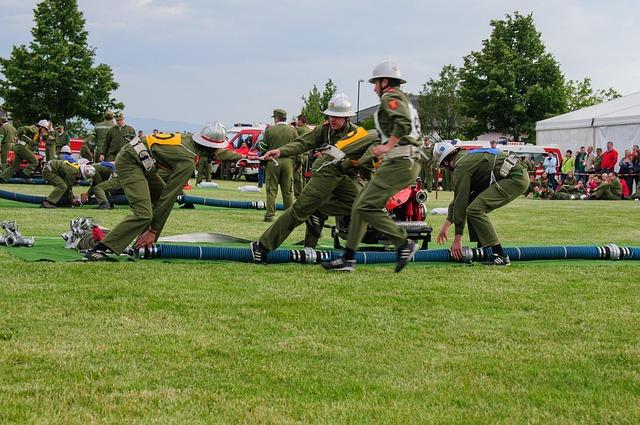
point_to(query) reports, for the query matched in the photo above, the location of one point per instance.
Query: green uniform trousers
(50, 151)
(329, 195)
(204, 170)
(495, 196)
(101, 189)
(369, 208)
(603, 192)
(298, 174)
(61, 189)
(4, 153)
(142, 191)
(21, 153)
(426, 174)
(279, 176)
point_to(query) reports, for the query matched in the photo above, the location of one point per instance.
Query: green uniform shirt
(51, 137)
(278, 135)
(29, 135)
(8, 133)
(394, 117)
(103, 173)
(472, 173)
(69, 172)
(115, 140)
(62, 139)
(88, 147)
(302, 130)
(324, 135)
(100, 131)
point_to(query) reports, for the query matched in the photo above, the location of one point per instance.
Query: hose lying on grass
(122, 200)
(312, 256)
(18, 180)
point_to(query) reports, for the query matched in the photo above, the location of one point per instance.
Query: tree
(580, 94)
(512, 82)
(54, 77)
(439, 105)
(315, 103)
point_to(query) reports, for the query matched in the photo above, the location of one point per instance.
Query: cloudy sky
(235, 60)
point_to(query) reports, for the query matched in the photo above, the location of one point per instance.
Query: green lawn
(155, 342)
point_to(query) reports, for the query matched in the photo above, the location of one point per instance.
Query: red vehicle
(240, 134)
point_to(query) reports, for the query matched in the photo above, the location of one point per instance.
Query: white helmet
(386, 69)
(339, 106)
(44, 124)
(66, 149)
(212, 136)
(87, 171)
(441, 150)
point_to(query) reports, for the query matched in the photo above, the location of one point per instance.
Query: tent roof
(620, 111)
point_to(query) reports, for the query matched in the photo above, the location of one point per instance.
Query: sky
(200, 61)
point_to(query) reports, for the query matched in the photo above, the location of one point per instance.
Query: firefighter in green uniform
(570, 192)
(116, 138)
(398, 126)
(50, 143)
(100, 131)
(8, 135)
(102, 182)
(204, 164)
(27, 140)
(62, 139)
(609, 190)
(278, 174)
(63, 175)
(426, 164)
(300, 165)
(335, 183)
(484, 180)
(88, 147)
(150, 197)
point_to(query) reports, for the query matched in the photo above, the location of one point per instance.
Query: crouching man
(63, 175)
(484, 180)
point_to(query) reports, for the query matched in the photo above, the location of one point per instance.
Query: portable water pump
(407, 208)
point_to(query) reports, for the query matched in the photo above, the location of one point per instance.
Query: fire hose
(312, 256)
(18, 180)
(122, 200)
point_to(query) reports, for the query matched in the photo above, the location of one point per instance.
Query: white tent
(617, 121)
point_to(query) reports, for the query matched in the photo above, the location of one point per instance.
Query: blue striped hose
(224, 203)
(18, 180)
(312, 256)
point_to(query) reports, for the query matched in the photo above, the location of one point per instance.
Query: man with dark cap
(100, 131)
(116, 138)
(278, 174)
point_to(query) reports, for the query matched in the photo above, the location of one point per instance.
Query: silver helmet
(441, 150)
(212, 136)
(339, 106)
(386, 69)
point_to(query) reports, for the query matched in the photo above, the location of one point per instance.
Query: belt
(20, 142)
(405, 151)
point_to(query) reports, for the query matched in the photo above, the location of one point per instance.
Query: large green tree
(440, 107)
(315, 103)
(55, 77)
(513, 81)
(581, 94)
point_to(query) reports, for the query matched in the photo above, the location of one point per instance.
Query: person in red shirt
(609, 159)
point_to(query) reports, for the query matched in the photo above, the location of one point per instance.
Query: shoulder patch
(393, 104)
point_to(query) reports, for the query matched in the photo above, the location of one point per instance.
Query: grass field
(154, 342)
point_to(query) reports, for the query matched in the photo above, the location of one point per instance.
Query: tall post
(358, 103)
